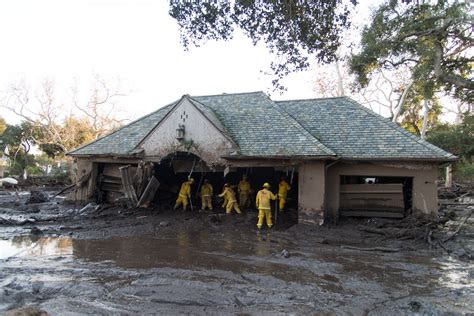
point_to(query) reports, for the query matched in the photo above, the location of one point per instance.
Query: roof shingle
(265, 128)
(355, 132)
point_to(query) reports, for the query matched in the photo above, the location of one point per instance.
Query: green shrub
(463, 171)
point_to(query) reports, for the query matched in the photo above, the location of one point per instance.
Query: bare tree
(47, 109)
(100, 109)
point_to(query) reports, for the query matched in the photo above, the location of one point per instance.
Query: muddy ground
(66, 259)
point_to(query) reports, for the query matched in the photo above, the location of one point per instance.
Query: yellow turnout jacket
(263, 199)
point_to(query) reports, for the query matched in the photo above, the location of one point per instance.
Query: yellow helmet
(266, 185)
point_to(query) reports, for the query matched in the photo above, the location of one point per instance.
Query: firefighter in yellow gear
(229, 194)
(184, 194)
(244, 192)
(224, 203)
(283, 189)
(206, 195)
(264, 197)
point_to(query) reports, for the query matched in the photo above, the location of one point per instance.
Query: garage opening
(375, 196)
(172, 171)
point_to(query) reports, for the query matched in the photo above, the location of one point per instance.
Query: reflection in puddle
(240, 254)
(185, 250)
(31, 246)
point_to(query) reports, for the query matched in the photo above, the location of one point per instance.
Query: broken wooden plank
(130, 195)
(149, 192)
(143, 174)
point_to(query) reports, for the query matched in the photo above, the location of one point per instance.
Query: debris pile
(457, 192)
(37, 196)
(435, 231)
(411, 227)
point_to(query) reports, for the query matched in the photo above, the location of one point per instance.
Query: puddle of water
(237, 253)
(192, 251)
(30, 246)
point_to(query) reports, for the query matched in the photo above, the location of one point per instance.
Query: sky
(134, 40)
(137, 42)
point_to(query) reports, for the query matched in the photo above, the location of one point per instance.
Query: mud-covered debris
(38, 197)
(37, 286)
(285, 254)
(16, 220)
(214, 218)
(36, 231)
(165, 224)
(415, 306)
(26, 311)
(465, 255)
(70, 227)
(89, 209)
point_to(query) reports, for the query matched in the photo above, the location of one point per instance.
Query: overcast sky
(135, 40)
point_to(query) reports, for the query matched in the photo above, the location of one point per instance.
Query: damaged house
(341, 158)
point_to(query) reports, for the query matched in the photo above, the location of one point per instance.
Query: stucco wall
(207, 141)
(311, 188)
(425, 195)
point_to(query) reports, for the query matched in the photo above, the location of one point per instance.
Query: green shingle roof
(264, 128)
(353, 131)
(261, 128)
(124, 140)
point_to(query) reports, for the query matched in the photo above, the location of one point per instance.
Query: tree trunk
(449, 177)
(401, 102)
(340, 83)
(426, 112)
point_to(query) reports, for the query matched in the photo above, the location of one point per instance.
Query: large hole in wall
(174, 170)
(375, 196)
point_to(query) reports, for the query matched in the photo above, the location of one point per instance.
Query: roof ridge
(118, 129)
(225, 94)
(224, 129)
(399, 129)
(301, 127)
(311, 99)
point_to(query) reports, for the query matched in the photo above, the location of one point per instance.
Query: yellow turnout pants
(282, 203)
(206, 202)
(244, 199)
(182, 199)
(224, 204)
(264, 213)
(232, 205)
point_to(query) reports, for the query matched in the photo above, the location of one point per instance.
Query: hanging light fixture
(180, 132)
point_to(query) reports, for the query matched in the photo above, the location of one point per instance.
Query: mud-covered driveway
(151, 261)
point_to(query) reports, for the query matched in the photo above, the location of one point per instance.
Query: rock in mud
(285, 254)
(89, 209)
(26, 311)
(165, 223)
(415, 306)
(36, 231)
(37, 286)
(38, 197)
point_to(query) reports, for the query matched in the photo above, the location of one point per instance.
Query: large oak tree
(432, 39)
(294, 30)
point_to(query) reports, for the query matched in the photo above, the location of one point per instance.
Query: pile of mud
(105, 259)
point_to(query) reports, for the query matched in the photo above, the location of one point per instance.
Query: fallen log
(381, 249)
(380, 231)
(69, 187)
(458, 229)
